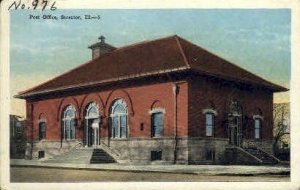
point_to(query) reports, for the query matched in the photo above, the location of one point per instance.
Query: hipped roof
(165, 55)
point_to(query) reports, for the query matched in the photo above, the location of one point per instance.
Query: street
(32, 174)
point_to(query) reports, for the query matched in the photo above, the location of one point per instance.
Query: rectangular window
(257, 128)
(156, 155)
(42, 130)
(157, 124)
(41, 154)
(210, 155)
(209, 124)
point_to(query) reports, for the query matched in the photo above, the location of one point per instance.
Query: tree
(281, 128)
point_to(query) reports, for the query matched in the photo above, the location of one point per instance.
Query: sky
(257, 40)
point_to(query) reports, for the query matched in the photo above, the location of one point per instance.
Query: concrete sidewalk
(183, 169)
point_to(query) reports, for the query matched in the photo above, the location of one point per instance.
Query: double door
(235, 130)
(92, 132)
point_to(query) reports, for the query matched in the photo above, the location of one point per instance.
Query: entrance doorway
(235, 124)
(92, 129)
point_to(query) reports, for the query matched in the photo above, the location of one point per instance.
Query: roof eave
(272, 87)
(28, 95)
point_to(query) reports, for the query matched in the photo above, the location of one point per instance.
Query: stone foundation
(206, 150)
(138, 150)
(50, 148)
(195, 150)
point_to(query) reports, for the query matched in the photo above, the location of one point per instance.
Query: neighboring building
(17, 137)
(160, 101)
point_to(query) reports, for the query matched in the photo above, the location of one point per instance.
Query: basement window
(210, 155)
(156, 155)
(41, 154)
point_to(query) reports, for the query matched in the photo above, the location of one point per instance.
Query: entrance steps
(263, 156)
(249, 156)
(99, 156)
(83, 156)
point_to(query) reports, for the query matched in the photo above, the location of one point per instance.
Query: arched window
(119, 119)
(42, 129)
(92, 110)
(68, 128)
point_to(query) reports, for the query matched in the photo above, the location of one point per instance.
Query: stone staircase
(248, 156)
(99, 156)
(266, 158)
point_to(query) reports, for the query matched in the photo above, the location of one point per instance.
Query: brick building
(160, 101)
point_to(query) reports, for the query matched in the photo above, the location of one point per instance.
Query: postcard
(151, 95)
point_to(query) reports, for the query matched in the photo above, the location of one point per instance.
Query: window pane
(42, 130)
(157, 124)
(158, 131)
(123, 126)
(67, 129)
(257, 123)
(93, 112)
(257, 133)
(209, 124)
(115, 124)
(72, 129)
(119, 109)
(208, 130)
(209, 119)
(257, 128)
(70, 113)
(158, 119)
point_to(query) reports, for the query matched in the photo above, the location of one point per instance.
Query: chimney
(101, 48)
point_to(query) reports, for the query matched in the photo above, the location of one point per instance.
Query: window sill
(209, 137)
(119, 139)
(69, 139)
(157, 137)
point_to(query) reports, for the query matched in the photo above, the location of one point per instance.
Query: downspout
(31, 110)
(61, 132)
(175, 93)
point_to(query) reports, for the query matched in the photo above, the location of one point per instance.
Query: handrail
(249, 154)
(269, 154)
(107, 148)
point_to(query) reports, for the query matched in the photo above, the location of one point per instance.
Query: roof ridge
(94, 60)
(142, 43)
(182, 52)
(229, 62)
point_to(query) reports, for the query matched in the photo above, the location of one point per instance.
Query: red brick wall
(139, 100)
(204, 91)
(194, 96)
